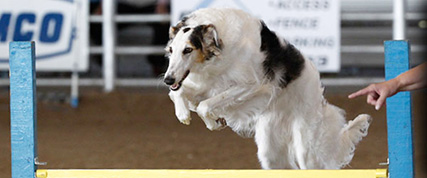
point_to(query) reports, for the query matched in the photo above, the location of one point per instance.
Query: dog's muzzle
(169, 80)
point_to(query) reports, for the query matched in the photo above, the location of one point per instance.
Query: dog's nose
(169, 80)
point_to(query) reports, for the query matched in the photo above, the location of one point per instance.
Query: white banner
(313, 26)
(59, 28)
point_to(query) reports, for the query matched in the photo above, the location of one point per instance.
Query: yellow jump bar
(198, 173)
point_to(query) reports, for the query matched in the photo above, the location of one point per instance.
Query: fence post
(23, 121)
(399, 119)
(399, 19)
(109, 43)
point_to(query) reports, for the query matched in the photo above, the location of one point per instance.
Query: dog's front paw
(183, 116)
(218, 124)
(221, 124)
(204, 111)
(212, 121)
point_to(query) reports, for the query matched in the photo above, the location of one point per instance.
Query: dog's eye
(187, 50)
(170, 49)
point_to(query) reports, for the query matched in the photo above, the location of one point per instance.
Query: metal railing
(383, 14)
(352, 11)
(133, 18)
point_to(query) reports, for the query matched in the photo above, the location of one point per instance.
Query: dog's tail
(351, 135)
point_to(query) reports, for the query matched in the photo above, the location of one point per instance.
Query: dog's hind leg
(298, 145)
(272, 153)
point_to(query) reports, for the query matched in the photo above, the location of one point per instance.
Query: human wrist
(399, 83)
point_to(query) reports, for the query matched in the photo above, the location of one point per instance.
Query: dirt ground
(136, 128)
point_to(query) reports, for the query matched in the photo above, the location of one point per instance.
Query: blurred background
(121, 116)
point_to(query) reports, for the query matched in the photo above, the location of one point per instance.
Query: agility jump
(24, 130)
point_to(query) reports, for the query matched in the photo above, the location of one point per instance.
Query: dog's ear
(211, 41)
(210, 36)
(173, 31)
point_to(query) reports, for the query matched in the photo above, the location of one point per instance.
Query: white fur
(294, 127)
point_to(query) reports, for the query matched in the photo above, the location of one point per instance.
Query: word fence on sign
(313, 26)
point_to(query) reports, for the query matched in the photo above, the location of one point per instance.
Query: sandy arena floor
(138, 129)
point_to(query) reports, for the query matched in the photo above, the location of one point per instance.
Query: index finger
(359, 93)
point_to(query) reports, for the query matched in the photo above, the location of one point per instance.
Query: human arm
(411, 80)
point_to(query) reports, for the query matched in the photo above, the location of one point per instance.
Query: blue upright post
(23, 120)
(399, 119)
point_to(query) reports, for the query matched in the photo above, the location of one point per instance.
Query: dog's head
(189, 46)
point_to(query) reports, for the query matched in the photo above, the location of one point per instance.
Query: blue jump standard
(23, 121)
(399, 119)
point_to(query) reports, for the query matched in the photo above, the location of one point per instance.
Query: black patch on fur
(185, 30)
(196, 38)
(286, 60)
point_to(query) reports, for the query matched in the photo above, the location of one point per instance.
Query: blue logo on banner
(50, 29)
(30, 18)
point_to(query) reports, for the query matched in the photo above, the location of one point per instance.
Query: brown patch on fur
(200, 58)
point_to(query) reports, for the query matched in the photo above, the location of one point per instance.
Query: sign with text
(313, 26)
(59, 28)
